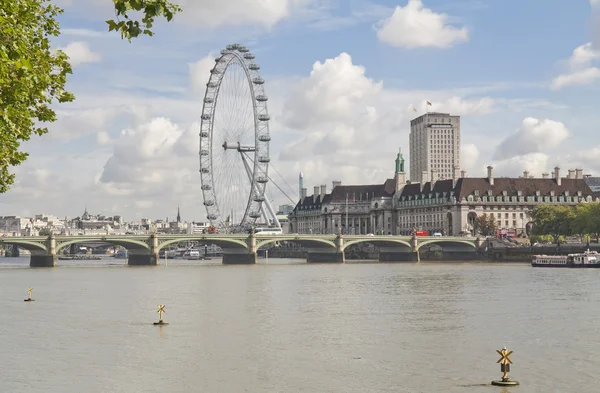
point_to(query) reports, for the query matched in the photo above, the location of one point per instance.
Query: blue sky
(342, 77)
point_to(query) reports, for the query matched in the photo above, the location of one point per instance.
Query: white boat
(587, 259)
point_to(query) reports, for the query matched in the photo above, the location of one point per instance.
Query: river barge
(587, 259)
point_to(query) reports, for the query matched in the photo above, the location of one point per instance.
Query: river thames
(293, 327)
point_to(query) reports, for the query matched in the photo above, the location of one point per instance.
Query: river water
(293, 327)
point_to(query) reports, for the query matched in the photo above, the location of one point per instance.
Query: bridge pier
(240, 256)
(47, 259)
(141, 257)
(42, 260)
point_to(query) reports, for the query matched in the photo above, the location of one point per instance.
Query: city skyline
(128, 145)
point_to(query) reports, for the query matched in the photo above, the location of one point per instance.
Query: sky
(342, 77)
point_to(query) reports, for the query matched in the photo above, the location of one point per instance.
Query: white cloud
(103, 138)
(213, 13)
(583, 55)
(335, 90)
(580, 71)
(200, 73)
(469, 158)
(415, 26)
(79, 52)
(582, 77)
(534, 163)
(534, 136)
(458, 105)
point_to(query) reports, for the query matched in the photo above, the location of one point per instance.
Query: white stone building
(434, 144)
(451, 206)
(351, 210)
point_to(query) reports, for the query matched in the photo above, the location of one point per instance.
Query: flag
(429, 103)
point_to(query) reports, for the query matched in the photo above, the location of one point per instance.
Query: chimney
(463, 173)
(545, 175)
(557, 175)
(303, 194)
(579, 173)
(571, 174)
(423, 178)
(323, 189)
(434, 177)
(525, 174)
(315, 193)
(490, 175)
(456, 172)
(336, 183)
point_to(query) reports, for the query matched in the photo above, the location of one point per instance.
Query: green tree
(33, 75)
(587, 219)
(45, 231)
(553, 220)
(486, 225)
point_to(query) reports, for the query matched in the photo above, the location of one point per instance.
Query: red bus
(421, 233)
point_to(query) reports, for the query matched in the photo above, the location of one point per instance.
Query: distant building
(452, 206)
(434, 145)
(194, 228)
(285, 209)
(355, 209)
(98, 222)
(14, 226)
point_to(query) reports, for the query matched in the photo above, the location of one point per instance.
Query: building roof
(354, 193)
(527, 186)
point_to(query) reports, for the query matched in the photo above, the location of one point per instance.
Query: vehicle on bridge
(266, 231)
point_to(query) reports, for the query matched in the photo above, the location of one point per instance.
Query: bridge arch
(27, 245)
(136, 244)
(378, 241)
(447, 241)
(319, 243)
(205, 239)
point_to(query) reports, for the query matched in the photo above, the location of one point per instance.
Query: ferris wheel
(234, 144)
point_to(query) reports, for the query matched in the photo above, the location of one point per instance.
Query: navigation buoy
(505, 363)
(29, 299)
(161, 310)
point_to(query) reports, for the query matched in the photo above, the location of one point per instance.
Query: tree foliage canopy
(566, 220)
(486, 224)
(33, 75)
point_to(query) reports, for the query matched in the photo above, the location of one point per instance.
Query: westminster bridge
(143, 250)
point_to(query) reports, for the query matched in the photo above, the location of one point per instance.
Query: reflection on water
(289, 327)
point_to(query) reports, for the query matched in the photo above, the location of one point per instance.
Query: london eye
(234, 144)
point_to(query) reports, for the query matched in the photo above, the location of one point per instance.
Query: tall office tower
(434, 147)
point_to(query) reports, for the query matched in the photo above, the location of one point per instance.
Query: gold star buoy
(161, 311)
(29, 299)
(505, 363)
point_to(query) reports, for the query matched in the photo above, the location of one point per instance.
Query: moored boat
(587, 259)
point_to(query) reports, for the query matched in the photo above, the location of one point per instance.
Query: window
(514, 215)
(514, 223)
(505, 215)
